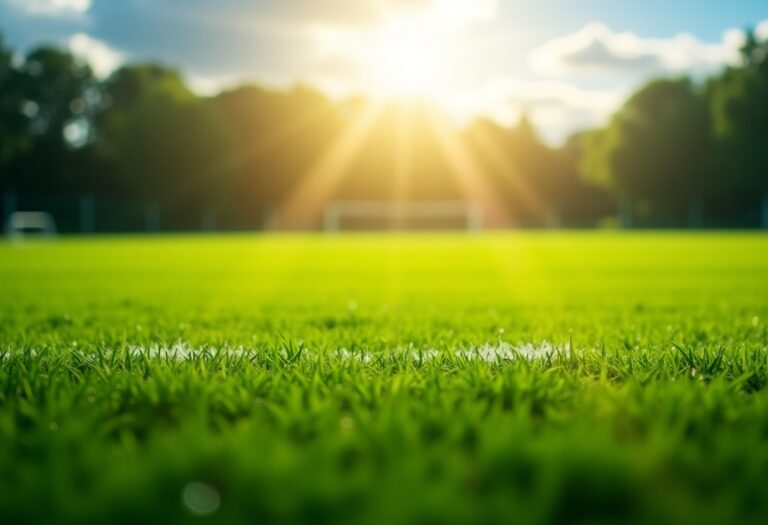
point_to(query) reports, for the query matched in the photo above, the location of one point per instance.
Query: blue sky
(569, 63)
(704, 18)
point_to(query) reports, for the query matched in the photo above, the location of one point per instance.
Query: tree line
(678, 153)
(678, 145)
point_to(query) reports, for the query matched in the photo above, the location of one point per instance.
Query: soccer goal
(22, 224)
(377, 215)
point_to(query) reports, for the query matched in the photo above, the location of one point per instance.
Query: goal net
(376, 215)
(23, 224)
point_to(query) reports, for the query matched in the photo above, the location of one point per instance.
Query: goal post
(21, 224)
(385, 215)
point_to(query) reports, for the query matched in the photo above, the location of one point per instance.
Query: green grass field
(522, 378)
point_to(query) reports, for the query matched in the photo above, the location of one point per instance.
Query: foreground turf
(382, 379)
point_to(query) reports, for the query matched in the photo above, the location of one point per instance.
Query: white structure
(21, 224)
(378, 215)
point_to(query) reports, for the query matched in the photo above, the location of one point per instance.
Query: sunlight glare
(323, 178)
(405, 62)
(469, 173)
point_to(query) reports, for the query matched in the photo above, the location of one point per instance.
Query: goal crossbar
(401, 212)
(23, 223)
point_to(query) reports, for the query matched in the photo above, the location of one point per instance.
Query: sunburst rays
(482, 171)
(304, 205)
(469, 172)
(501, 162)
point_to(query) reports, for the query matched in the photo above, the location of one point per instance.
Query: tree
(655, 149)
(739, 105)
(279, 137)
(13, 123)
(58, 96)
(521, 167)
(538, 164)
(130, 84)
(170, 148)
(579, 202)
(123, 92)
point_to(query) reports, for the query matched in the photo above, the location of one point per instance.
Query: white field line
(490, 353)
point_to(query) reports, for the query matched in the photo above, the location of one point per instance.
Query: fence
(89, 213)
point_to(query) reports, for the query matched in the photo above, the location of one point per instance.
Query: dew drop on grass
(200, 499)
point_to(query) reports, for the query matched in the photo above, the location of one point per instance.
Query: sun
(420, 54)
(405, 64)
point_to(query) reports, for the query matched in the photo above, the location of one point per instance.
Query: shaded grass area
(651, 406)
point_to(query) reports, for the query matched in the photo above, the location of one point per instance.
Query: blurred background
(176, 116)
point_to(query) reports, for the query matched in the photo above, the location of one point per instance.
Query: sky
(568, 64)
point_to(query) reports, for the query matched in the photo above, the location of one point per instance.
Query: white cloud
(597, 50)
(618, 60)
(557, 108)
(102, 58)
(208, 86)
(463, 12)
(446, 12)
(414, 48)
(293, 15)
(762, 30)
(53, 7)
